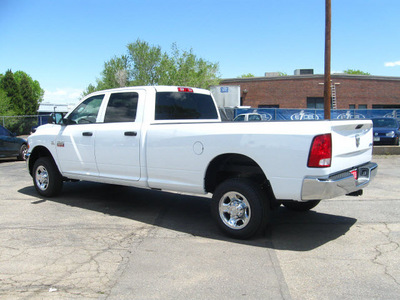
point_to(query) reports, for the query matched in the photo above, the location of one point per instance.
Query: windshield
(384, 122)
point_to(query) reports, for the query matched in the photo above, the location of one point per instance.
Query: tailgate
(351, 143)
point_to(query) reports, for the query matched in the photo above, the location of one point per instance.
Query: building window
(362, 106)
(386, 106)
(315, 102)
(268, 106)
(352, 106)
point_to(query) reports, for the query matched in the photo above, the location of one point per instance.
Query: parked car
(12, 146)
(386, 131)
(248, 117)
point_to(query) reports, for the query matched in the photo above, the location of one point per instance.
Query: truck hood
(385, 129)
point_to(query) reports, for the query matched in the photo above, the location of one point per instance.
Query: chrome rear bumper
(338, 184)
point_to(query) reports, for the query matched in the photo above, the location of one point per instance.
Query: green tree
(115, 73)
(23, 93)
(4, 104)
(146, 64)
(248, 75)
(37, 91)
(89, 89)
(184, 68)
(355, 72)
(19, 95)
(29, 105)
(10, 86)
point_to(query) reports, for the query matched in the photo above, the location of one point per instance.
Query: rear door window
(121, 107)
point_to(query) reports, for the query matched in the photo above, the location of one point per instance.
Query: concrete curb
(386, 150)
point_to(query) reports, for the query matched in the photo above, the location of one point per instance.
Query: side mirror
(66, 121)
(56, 118)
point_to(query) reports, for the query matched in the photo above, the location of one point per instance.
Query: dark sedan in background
(386, 131)
(12, 146)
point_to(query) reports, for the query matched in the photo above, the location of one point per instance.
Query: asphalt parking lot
(107, 242)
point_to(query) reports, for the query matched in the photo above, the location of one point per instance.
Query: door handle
(87, 133)
(130, 133)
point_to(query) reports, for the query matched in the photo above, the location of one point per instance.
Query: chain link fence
(23, 125)
(318, 114)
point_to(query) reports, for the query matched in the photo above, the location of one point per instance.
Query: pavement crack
(390, 246)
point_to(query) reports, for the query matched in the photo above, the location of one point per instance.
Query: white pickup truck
(172, 139)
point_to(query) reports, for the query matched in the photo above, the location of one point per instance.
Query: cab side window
(86, 112)
(121, 107)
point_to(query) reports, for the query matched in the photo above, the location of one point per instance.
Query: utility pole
(327, 77)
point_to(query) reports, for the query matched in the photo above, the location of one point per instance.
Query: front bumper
(338, 184)
(385, 140)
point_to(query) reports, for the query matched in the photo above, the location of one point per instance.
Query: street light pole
(327, 76)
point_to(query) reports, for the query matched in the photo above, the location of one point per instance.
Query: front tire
(239, 208)
(22, 152)
(47, 179)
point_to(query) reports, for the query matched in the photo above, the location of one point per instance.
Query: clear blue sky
(64, 43)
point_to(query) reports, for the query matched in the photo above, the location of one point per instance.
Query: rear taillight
(321, 152)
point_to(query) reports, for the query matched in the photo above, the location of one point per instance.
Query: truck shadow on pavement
(191, 215)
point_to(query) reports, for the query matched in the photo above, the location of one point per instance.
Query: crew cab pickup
(172, 139)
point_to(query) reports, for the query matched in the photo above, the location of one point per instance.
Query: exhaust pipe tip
(356, 193)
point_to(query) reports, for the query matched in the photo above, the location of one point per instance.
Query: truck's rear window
(183, 106)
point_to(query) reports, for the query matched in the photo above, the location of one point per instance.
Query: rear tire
(240, 208)
(301, 206)
(47, 179)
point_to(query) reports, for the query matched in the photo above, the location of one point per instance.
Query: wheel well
(37, 153)
(233, 166)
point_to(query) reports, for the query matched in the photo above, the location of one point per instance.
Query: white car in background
(250, 117)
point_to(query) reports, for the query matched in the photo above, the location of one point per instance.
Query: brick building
(307, 91)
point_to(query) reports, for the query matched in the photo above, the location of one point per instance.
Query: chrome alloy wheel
(234, 210)
(42, 178)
